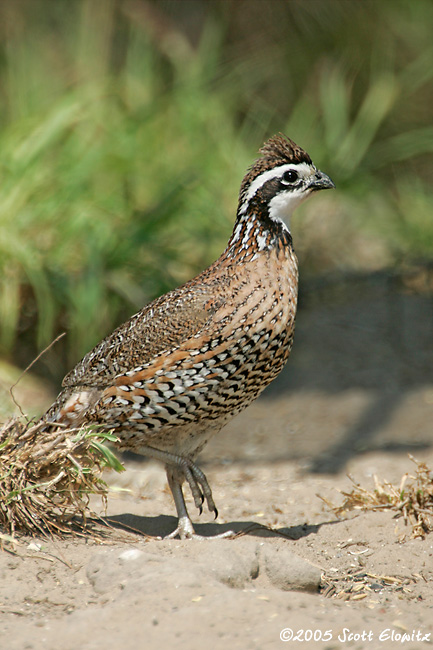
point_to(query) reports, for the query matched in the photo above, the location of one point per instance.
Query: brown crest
(281, 147)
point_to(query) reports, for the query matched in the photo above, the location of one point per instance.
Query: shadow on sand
(163, 525)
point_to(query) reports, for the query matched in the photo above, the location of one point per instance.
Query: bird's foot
(196, 479)
(199, 486)
(185, 530)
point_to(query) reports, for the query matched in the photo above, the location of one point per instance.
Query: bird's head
(282, 178)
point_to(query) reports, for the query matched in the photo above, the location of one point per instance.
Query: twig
(11, 389)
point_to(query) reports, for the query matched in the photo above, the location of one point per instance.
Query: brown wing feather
(159, 327)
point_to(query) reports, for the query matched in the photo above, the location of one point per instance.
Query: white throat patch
(283, 204)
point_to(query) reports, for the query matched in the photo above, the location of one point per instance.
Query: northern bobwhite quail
(173, 375)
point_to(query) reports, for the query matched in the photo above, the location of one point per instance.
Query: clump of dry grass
(47, 477)
(358, 584)
(412, 499)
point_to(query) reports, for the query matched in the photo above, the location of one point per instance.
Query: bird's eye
(289, 177)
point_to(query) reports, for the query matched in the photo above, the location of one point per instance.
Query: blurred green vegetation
(127, 125)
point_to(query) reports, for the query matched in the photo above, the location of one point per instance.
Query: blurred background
(126, 128)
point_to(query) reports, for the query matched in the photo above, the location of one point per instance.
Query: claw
(199, 486)
(194, 487)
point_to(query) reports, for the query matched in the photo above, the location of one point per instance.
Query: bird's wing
(160, 326)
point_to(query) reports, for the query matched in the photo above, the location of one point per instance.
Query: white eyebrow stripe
(303, 169)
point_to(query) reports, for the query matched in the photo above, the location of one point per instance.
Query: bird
(176, 372)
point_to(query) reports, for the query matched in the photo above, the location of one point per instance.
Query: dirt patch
(174, 592)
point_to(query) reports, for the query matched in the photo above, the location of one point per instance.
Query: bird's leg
(185, 529)
(179, 468)
(194, 476)
(199, 486)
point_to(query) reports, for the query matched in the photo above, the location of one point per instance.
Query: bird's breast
(262, 294)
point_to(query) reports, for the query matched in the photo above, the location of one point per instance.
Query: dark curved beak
(321, 181)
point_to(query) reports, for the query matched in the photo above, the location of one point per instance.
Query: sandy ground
(356, 397)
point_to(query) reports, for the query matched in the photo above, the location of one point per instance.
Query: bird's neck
(253, 234)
